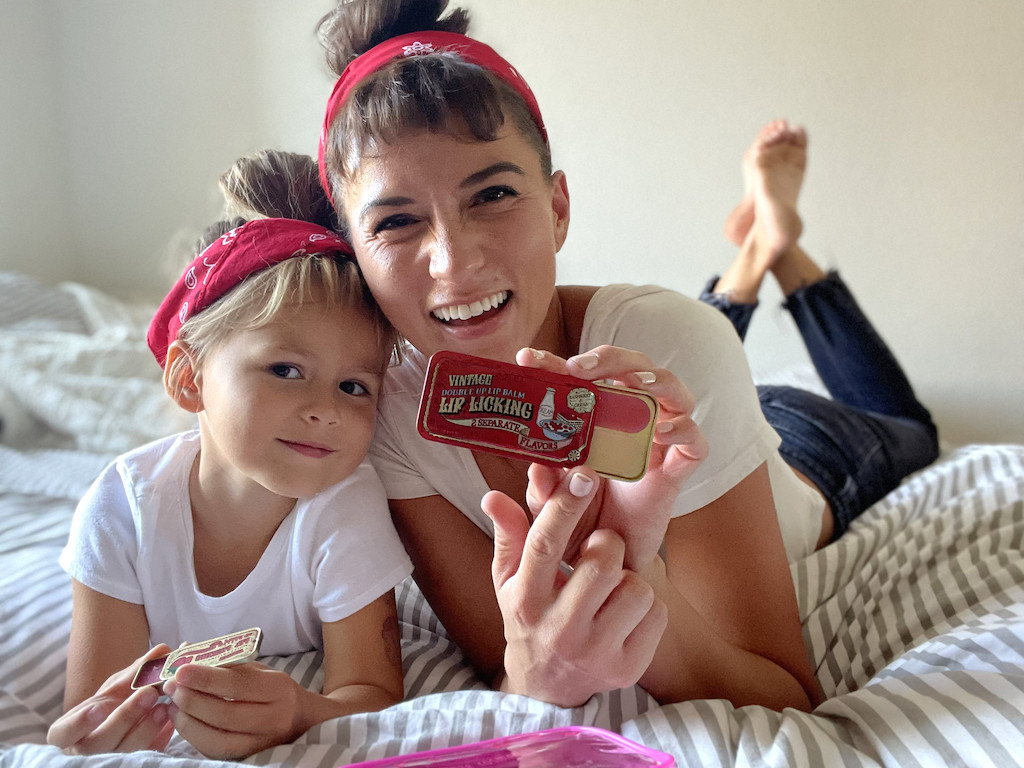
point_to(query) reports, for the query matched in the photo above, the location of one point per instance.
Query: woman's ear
(560, 207)
(181, 378)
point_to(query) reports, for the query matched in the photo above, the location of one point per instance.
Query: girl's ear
(181, 378)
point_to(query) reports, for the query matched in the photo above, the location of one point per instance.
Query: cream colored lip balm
(545, 417)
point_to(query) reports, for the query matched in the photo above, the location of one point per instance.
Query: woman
(435, 156)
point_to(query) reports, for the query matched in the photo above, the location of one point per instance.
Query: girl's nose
(323, 409)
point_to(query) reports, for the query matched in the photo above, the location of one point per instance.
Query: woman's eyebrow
(383, 202)
(491, 170)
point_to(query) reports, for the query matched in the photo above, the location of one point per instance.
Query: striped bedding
(914, 620)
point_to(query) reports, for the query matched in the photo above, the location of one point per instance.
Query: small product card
(236, 648)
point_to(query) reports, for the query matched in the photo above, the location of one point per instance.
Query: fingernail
(580, 485)
(170, 687)
(536, 354)
(160, 715)
(646, 377)
(586, 361)
(663, 427)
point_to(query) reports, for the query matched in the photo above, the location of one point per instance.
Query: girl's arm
(107, 635)
(234, 712)
(103, 714)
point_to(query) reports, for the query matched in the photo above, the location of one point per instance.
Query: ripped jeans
(873, 432)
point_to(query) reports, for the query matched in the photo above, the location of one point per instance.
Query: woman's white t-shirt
(695, 341)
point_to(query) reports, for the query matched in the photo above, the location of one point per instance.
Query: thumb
(510, 529)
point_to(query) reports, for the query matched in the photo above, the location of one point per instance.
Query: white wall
(119, 114)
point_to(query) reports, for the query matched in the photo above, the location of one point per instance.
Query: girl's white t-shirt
(131, 538)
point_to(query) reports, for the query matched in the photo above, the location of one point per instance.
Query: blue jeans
(859, 445)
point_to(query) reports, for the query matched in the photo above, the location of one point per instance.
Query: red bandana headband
(418, 44)
(230, 259)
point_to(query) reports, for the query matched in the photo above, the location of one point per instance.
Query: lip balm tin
(536, 415)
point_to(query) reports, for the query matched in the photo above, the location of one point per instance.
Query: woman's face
(457, 241)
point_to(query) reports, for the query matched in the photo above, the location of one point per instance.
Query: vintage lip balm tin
(536, 415)
(236, 648)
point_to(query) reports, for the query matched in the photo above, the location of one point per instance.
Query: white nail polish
(580, 485)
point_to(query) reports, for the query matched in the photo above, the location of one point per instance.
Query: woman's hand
(639, 512)
(233, 712)
(568, 636)
(116, 718)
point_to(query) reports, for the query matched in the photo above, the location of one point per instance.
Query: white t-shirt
(131, 539)
(694, 341)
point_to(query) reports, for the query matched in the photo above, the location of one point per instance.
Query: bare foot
(775, 168)
(773, 171)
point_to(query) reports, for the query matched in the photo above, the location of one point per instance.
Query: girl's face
(290, 406)
(457, 241)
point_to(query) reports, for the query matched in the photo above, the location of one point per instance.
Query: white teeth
(469, 311)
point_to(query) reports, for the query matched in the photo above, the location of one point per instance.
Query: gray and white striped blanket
(914, 619)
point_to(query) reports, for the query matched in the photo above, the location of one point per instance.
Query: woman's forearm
(694, 662)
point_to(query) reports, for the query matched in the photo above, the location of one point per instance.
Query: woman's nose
(453, 253)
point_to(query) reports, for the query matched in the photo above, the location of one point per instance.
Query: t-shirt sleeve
(358, 555)
(699, 345)
(102, 549)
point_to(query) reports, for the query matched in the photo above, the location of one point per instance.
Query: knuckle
(542, 545)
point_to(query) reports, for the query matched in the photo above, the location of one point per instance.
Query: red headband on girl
(230, 259)
(417, 44)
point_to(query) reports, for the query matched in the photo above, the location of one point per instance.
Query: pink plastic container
(569, 747)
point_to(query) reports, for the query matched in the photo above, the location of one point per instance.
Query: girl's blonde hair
(324, 280)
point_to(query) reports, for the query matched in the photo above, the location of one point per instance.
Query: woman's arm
(452, 566)
(734, 627)
(568, 636)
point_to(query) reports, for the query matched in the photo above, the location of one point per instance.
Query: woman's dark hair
(438, 92)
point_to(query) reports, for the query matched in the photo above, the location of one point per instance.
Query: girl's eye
(353, 388)
(493, 194)
(397, 221)
(285, 371)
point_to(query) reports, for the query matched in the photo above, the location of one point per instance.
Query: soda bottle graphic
(546, 411)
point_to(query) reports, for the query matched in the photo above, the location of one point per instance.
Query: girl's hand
(568, 636)
(639, 511)
(116, 718)
(233, 712)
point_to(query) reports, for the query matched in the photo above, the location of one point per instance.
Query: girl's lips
(309, 449)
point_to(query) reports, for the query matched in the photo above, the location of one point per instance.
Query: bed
(914, 619)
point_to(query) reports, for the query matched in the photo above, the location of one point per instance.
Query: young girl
(268, 515)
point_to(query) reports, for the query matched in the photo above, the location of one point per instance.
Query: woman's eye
(397, 221)
(493, 194)
(353, 388)
(285, 371)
